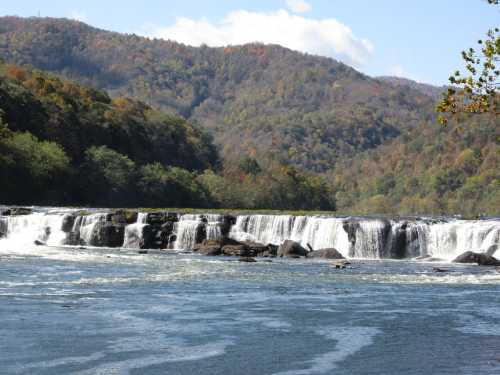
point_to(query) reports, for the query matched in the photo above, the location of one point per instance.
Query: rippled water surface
(102, 311)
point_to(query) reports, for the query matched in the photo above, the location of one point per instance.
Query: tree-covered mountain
(432, 170)
(63, 143)
(294, 131)
(434, 92)
(256, 100)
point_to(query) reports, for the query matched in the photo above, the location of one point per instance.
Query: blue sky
(420, 40)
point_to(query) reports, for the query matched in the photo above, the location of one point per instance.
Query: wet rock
(340, 263)
(480, 258)
(108, 235)
(15, 211)
(237, 250)
(39, 243)
(247, 259)
(3, 227)
(467, 257)
(124, 217)
(291, 249)
(68, 222)
(142, 252)
(488, 260)
(437, 269)
(326, 254)
(210, 250)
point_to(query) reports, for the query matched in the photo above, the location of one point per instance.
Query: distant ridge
(255, 99)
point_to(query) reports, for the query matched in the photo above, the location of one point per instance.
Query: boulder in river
(247, 260)
(480, 258)
(14, 211)
(330, 253)
(291, 249)
(237, 250)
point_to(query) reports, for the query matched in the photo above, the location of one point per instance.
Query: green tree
(476, 91)
(108, 177)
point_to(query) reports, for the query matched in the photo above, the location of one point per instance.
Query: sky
(420, 40)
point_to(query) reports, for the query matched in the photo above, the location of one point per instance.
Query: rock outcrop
(326, 254)
(291, 249)
(481, 259)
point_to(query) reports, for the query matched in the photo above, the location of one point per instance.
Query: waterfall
(265, 229)
(24, 230)
(321, 233)
(370, 239)
(416, 239)
(353, 237)
(133, 238)
(87, 227)
(447, 240)
(186, 231)
(213, 226)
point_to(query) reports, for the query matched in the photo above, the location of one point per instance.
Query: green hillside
(256, 100)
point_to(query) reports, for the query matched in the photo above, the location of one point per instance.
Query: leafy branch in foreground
(478, 90)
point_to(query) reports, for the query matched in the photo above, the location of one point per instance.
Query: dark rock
(247, 259)
(487, 260)
(227, 222)
(124, 217)
(3, 227)
(437, 269)
(340, 263)
(15, 211)
(108, 235)
(237, 250)
(271, 252)
(467, 257)
(291, 249)
(67, 223)
(326, 254)
(210, 250)
(479, 258)
(39, 243)
(142, 252)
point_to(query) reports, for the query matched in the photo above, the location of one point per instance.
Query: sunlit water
(103, 311)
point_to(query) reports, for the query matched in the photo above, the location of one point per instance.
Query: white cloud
(77, 15)
(327, 37)
(298, 6)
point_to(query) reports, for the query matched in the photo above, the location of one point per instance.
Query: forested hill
(258, 101)
(62, 143)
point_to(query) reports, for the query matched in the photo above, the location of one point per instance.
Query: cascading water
(134, 232)
(23, 230)
(87, 226)
(370, 239)
(449, 239)
(353, 237)
(266, 229)
(321, 233)
(213, 226)
(186, 231)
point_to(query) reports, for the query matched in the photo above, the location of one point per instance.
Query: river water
(71, 310)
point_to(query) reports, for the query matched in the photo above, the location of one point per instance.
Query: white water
(448, 240)
(88, 225)
(134, 232)
(266, 229)
(373, 238)
(24, 230)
